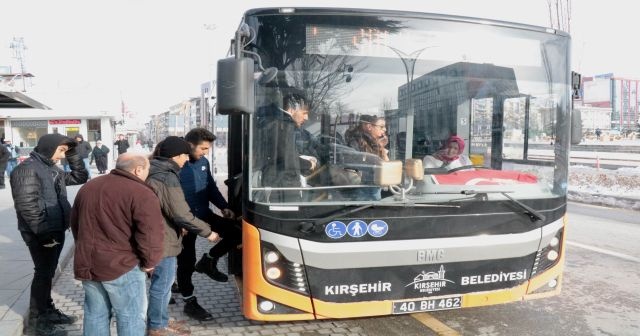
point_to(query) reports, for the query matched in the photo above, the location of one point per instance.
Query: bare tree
(560, 14)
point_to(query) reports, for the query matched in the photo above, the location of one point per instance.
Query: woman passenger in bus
(449, 156)
(369, 136)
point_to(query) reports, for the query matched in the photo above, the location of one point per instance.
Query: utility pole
(18, 51)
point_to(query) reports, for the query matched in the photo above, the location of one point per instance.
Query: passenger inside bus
(282, 164)
(450, 156)
(368, 136)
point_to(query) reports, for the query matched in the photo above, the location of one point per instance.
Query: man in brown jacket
(168, 158)
(117, 224)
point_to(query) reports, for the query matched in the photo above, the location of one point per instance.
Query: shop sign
(64, 122)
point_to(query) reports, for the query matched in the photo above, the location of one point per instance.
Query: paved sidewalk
(16, 267)
(221, 299)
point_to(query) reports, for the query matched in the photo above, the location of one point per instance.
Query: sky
(93, 55)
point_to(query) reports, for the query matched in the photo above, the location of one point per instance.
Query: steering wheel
(453, 170)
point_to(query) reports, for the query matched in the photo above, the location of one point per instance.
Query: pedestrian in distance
(5, 155)
(100, 155)
(39, 194)
(117, 225)
(84, 150)
(200, 190)
(168, 158)
(15, 153)
(122, 144)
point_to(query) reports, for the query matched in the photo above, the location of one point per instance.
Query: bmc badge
(430, 282)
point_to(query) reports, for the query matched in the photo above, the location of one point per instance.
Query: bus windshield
(479, 105)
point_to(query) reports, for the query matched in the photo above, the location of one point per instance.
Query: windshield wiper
(533, 214)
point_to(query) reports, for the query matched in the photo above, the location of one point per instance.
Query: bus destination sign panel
(415, 306)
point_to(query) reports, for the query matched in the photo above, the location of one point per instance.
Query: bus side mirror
(576, 127)
(388, 173)
(413, 168)
(235, 86)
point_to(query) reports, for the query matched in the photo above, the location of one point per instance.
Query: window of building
(93, 130)
(27, 132)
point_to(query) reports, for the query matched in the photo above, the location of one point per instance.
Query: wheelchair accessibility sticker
(378, 228)
(356, 229)
(335, 230)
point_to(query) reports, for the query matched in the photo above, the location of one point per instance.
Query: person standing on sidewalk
(100, 154)
(39, 194)
(15, 153)
(84, 149)
(121, 144)
(169, 157)
(5, 156)
(199, 189)
(117, 225)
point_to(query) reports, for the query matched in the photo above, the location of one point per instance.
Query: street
(600, 296)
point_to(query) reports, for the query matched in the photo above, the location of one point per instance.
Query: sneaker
(207, 266)
(195, 311)
(56, 316)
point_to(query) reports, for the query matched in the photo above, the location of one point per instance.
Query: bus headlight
(549, 254)
(271, 257)
(281, 272)
(273, 273)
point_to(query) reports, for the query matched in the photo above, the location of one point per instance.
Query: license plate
(414, 306)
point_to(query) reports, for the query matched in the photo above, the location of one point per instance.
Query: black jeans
(231, 235)
(45, 261)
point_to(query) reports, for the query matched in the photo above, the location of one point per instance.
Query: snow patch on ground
(615, 188)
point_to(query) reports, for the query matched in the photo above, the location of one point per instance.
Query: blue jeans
(87, 165)
(125, 295)
(11, 164)
(160, 293)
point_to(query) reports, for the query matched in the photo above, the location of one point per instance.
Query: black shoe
(195, 311)
(207, 266)
(44, 327)
(174, 288)
(55, 316)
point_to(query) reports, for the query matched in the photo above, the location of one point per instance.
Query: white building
(595, 117)
(23, 120)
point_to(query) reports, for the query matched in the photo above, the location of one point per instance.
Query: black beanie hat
(47, 144)
(173, 146)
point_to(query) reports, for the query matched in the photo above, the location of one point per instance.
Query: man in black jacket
(84, 150)
(121, 144)
(278, 157)
(40, 198)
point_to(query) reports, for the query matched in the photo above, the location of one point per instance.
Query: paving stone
(220, 299)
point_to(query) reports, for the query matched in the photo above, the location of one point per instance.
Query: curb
(21, 306)
(604, 200)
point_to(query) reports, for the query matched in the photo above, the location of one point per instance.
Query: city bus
(488, 232)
